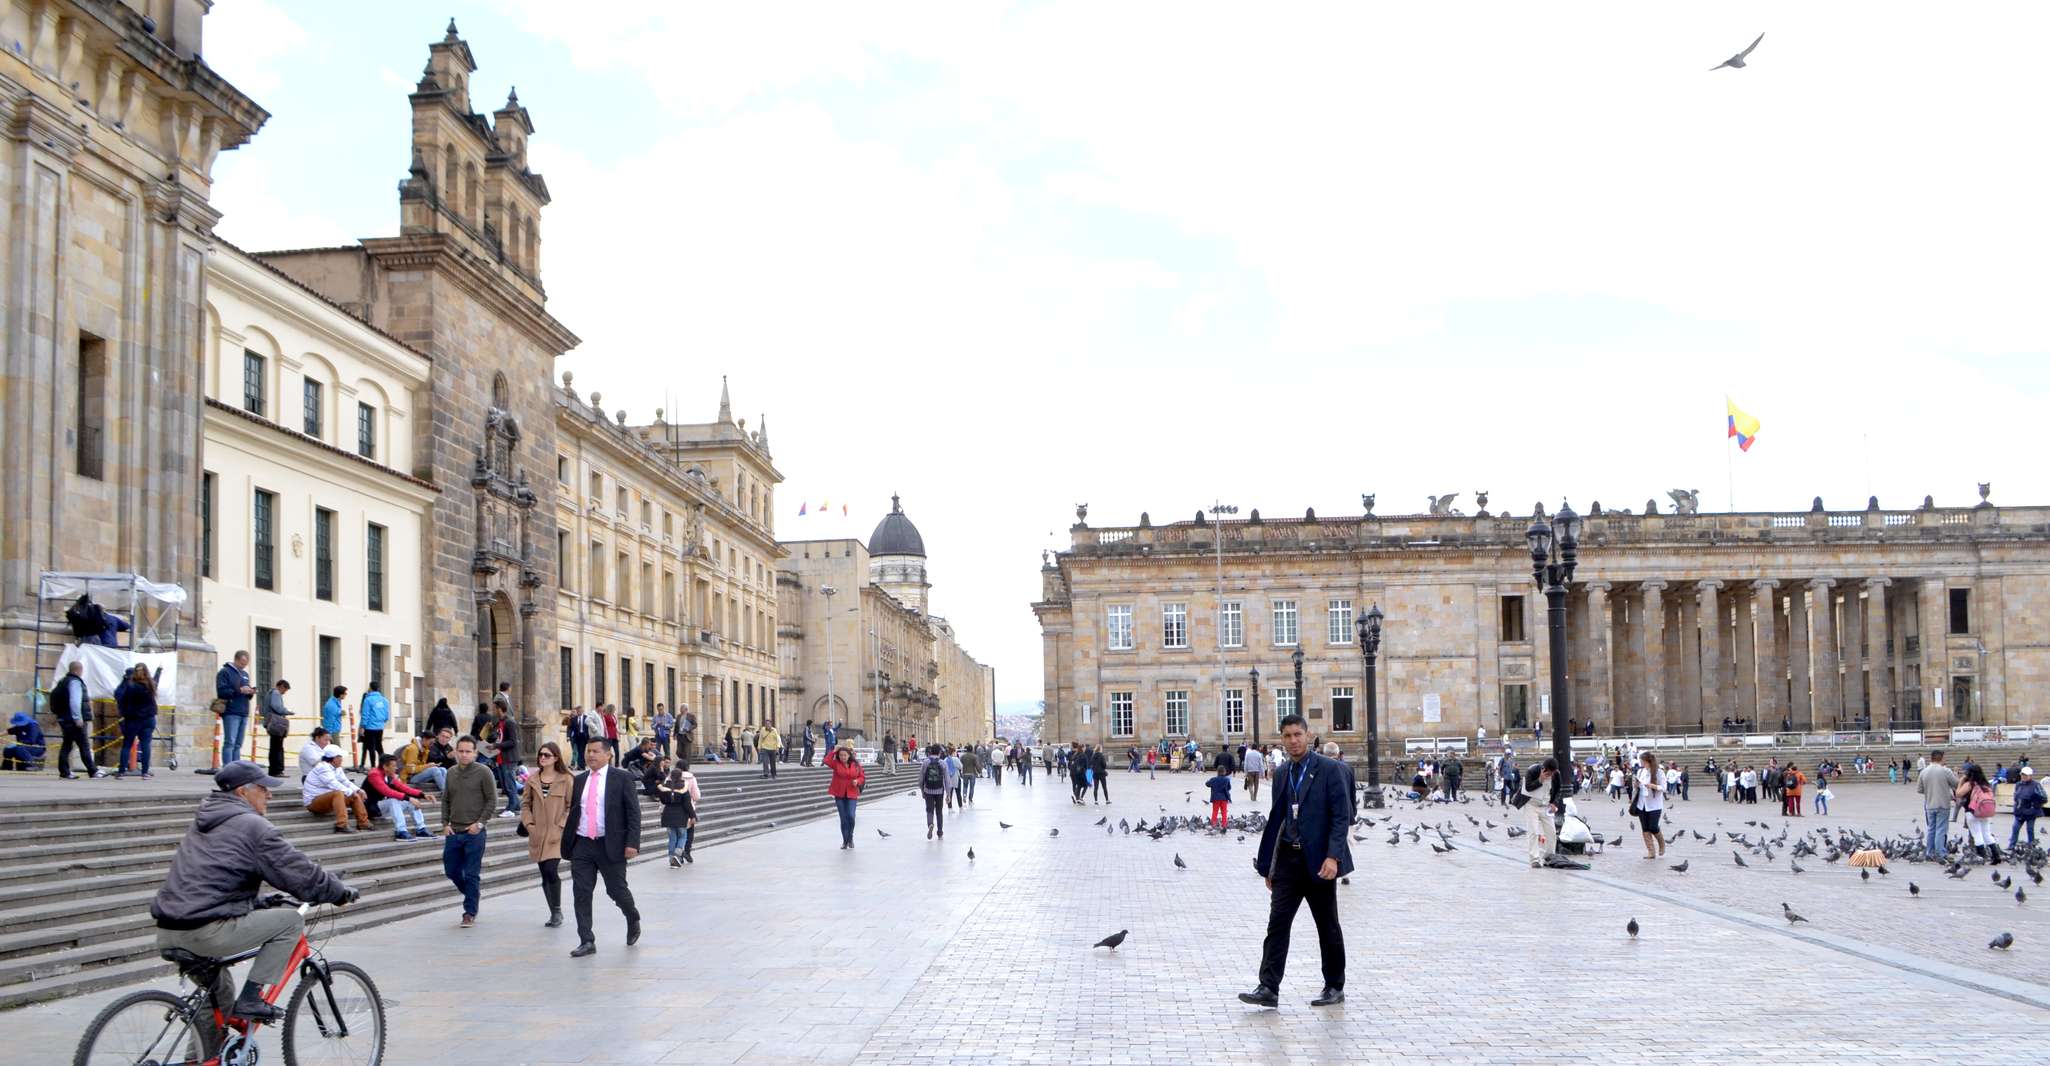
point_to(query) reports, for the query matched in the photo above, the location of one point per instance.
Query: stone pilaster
(1770, 675)
(1709, 673)
(1935, 667)
(1650, 636)
(1878, 697)
(1600, 668)
(1828, 705)
(1800, 660)
(1746, 661)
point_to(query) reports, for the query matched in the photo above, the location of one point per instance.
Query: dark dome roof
(895, 535)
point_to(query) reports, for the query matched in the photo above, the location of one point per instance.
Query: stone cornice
(434, 251)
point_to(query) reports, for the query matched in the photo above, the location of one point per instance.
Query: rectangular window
(1284, 623)
(594, 572)
(330, 667)
(252, 382)
(323, 554)
(648, 681)
(1234, 710)
(562, 476)
(597, 679)
(562, 560)
(1121, 714)
(1512, 619)
(309, 399)
(597, 491)
(648, 590)
(626, 684)
(623, 577)
(373, 576)
(366, 431)
(1515, 705)
(672, 689)
(669, 595)
(1177, 712)
(647, 515)
(266, 673)
(1960, 610)
(1338, 622)
(736, 703)
(1120, 627)
(567, 667)
(206, 524)
(1284, 702)
(380, 661)
(1231, 625)
(91, 414)
(263, 523)
(622, 501)
(1341, 709)
(1174, 625)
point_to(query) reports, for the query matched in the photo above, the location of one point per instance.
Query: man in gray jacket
(207, 904)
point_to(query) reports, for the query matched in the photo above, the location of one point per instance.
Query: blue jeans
(2014, 831)
(509, 783)
(139, 737)
(679, 840)
(462, 859)
(432, 775)
(1937, 848)
(846, 809)
(967, 787)
(768, 759)
(234, 727)
(397, 810)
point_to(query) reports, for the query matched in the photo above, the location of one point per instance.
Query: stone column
(1600, 686)
(1827, 703)
(1679, 697)
(1688, 706)
(1898, 620)
(1856, 654)
(1771, 652)
(1747, 656)
(1930, 601)
(1726, 658)
(1708, 674)
(1878, 698)
(1651, 656)
(1800, 672)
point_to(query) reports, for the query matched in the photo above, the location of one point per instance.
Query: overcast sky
(1005, 259)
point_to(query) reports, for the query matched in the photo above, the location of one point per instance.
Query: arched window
(501, 393)
(470, 193)
(449, 189)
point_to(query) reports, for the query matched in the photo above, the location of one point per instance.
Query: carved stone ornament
(298, 546)
(1443, 504)
(1685, 501)
(1081, 514)
(1367, 503)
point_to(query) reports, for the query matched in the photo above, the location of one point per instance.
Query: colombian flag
(801, 510)
(1742, 426)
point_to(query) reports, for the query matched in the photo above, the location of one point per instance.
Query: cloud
(246, 49)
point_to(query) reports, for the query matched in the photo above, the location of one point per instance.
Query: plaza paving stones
(783, 948)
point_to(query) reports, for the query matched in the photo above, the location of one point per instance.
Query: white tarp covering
(105, 667)
(56, 586)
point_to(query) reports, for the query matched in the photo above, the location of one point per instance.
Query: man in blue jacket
(376, 714)
(233, 686)
(1302, 854)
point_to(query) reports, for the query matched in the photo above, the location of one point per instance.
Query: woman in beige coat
(543, 813)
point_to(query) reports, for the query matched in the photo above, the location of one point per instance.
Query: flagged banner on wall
(1742, 426)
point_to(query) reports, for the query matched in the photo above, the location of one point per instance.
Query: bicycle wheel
(339, 1023)
(141, 1029)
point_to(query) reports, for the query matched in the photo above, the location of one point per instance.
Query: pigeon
(2020, 896)
(1053, 832)
(1788, 913)
(1739, 858)
(1007, 825)
(1109, 832)
(1178, 863)
(1796, 867)
(1914, 889)
(1737, 61)
(2003, 941)
(1681, 868)
(1112, 941)
(1099, 821)
(1882, 871)
(1439, 850)
(882, 834)
(1864, 875)
(1484, 838)
(1631, 928)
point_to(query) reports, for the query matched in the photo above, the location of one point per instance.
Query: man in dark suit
(1302, 854)
(604, 831)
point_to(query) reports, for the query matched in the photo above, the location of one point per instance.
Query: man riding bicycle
(207, 905)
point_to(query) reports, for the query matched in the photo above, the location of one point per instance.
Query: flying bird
(1738, 59)
(1112, 941)
(1631, 928)
(1788, 913)
(1681, 868)
(2003, 941)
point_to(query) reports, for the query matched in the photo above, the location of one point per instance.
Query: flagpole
(1730, 472)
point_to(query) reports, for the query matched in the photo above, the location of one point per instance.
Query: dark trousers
(373, 747)
(807, 755)
(935, 816)
(74, 737)
(846, 809)
(462, 861)
(135, 742)
(551, 883)
(1102, 788)
(768, 762)
(1294, 884)
(277, 755)
(584, 874)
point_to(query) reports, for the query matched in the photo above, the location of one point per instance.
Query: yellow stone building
(1933, 617)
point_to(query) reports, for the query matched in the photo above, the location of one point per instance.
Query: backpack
(1982, 803)
(85, 618)
(933, 779)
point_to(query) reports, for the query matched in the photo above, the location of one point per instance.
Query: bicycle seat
(201, 969)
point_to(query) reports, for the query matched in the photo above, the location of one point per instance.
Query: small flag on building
(1742, 426)
(843, 510)
(801, 509)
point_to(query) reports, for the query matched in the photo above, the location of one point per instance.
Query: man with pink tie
(604, 831)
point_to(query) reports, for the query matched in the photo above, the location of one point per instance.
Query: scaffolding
(155, 623)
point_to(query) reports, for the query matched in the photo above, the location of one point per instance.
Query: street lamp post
(1370, 646)
(1255, 675)
(828, 592)
(1552, 560)
(1297, 658)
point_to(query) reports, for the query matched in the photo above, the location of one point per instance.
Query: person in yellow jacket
(771, 746)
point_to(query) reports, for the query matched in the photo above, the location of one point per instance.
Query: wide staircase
(76, 889)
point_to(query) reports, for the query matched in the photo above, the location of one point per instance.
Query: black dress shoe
(633, 932)
(1328, 997)
(554, 918)
(583, 949)
(254, 1009)
(1261, 997)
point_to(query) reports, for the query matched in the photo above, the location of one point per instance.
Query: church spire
(725, 401)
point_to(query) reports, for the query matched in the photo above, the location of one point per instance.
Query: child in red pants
(1220, 799)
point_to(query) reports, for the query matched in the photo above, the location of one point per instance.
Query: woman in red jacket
(846, 788)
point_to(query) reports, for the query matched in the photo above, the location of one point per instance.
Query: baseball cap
(243, 772)
(331, 752)
(2028, 771)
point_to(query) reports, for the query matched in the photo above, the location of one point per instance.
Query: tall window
(1284, 622)
(1338, 622)
(1177, 712)
(1174, 625)
(597, 679)
(373, 557)
(380, 661)
(263, 522)
(622, 575)
(1120, 627)
(1516, 706)
(648, 590)
(672, 691)
(562, 469)
(92, 405)
(1234, 710)
(597, 489)
(329, 667)
(206, 524)
(323, 554)
(567, 668)
(1341, 709)
(1231, 624)
(1121, 714)
(1284, 702)
(648, 683)
(310, 398)
(252, 382)
(562, 560)
(594, 571)
(1512, 619)
(1960, 610)
(266, 674)
(366, 431)
(626, 684)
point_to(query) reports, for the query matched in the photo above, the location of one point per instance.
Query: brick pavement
(783, 948)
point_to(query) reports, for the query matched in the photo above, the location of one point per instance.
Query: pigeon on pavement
(1788, 913)
(882, 834)
(2003, 941)
(1681, 868)
(1053, 832)
(1178, 863)
(1914, 889)
(1112, 941)
(1631, 928)
(1738, 61)
(971, 854)
(1003, 825)
(1739, 858)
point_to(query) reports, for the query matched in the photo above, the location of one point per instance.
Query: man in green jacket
(467, 803)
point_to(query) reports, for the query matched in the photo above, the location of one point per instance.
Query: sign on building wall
(1433, 710)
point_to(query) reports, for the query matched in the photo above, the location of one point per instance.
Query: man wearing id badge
(1302, 854)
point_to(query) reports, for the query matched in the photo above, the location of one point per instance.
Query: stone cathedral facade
(1820, 620)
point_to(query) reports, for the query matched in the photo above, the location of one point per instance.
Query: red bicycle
(335, 1016)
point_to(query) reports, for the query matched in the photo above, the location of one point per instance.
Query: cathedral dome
(895, 535)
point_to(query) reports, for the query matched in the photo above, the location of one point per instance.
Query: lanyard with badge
(1295, 792)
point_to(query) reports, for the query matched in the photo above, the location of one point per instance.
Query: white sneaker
(508, 814)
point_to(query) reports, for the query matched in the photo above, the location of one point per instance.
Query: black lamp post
(1297, 658)
(1552, 560)
(1255, 674)
(1370, 646)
